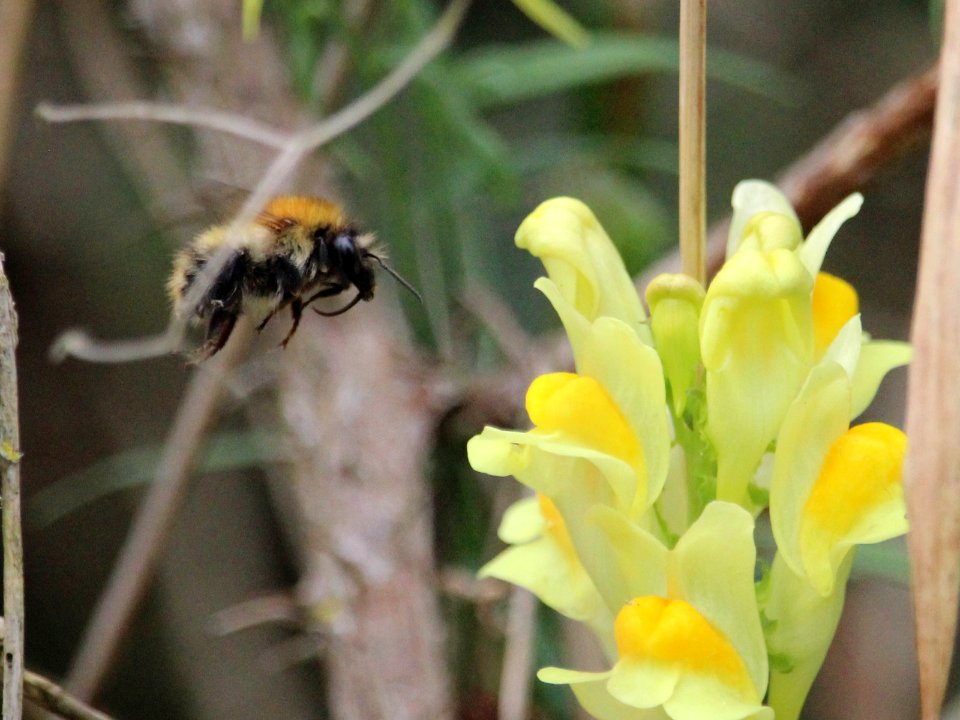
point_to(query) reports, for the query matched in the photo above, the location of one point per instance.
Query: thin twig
(134, 567)
(44, 692)
(515, 676)
(693, 155)
(207, 118)
(932, 474)
(80, 345)
(10, 495)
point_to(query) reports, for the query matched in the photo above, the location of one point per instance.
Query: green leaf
(503, 75)
(549, 16)
(132, 468)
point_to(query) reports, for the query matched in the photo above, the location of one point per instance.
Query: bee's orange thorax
(309, 212)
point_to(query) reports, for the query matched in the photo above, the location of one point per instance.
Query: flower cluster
(650, 462)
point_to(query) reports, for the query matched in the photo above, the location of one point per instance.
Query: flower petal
(643, 684)
(595, 698)
(857, 499)
(835, 301)
(553, 575)
(877, 358)
(713, 567)
(750, 198)
(580, 258)
(819, 415)
(756, 339)
(819, 239)
(638, 561)
(521, 522)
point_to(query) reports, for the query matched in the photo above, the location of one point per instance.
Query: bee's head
(347, 252)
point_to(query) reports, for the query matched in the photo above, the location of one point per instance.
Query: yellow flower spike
(583, 262)
(675, 302)
(756, 339)
(835, 301)
(688, 637)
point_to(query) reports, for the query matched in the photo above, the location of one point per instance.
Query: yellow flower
(609, 419)
(833, 486)
(582, 262)
(687, 630)
(543, 560)
(757, 328)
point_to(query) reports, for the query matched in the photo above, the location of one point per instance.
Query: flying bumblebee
(296, 251)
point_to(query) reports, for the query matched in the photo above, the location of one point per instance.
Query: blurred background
(91, 213)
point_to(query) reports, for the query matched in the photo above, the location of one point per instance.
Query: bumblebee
(296, 251)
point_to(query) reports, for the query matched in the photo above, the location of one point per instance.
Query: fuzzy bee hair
(297, 250)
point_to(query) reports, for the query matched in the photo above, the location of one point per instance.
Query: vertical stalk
(693, 42)
(932, 473)
(10, 491)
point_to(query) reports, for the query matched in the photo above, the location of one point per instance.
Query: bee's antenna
(396, 276)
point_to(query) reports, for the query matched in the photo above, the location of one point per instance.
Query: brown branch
(932, 477)
(353, 401)
(10, 496)
(47, 694)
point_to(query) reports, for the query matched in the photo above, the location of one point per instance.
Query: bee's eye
(343, 244)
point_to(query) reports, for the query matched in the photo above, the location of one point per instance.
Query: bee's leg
(263, 323)
(326, 292)
(218, 332)
(296, 311)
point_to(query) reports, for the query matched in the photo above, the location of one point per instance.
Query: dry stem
(932, 476)
(693, 155)
(10, 495)
(49, 695)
